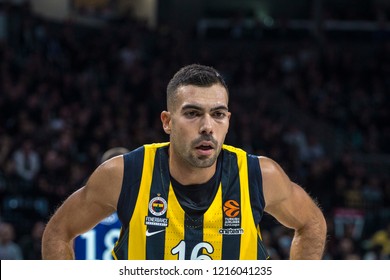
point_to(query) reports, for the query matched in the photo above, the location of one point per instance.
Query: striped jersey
(155, 226)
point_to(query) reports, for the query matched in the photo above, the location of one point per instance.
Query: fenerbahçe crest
(157, 207)
(232, 219)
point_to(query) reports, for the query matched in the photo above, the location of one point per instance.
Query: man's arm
(83, 210)
(293, 207)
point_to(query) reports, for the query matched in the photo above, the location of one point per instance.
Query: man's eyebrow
(197, 107)
(191, 106)
(221, 107)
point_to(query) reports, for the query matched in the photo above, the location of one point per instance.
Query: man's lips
(205, 145)
(205, 148)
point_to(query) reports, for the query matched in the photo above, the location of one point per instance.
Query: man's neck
(187, 175)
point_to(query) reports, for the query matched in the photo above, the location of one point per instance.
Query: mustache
(206, 137)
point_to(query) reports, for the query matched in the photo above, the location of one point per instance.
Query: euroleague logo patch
(231, 221)
(231, 208)
(158, 206)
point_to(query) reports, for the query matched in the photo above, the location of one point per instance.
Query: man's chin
(205, 161)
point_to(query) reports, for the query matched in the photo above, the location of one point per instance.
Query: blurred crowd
(68, 93)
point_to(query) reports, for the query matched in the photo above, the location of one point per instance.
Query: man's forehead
(215, 94)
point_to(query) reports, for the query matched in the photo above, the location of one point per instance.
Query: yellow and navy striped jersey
(155, 226)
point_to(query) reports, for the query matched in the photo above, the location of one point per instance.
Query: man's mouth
(204, 150)
(204, 147)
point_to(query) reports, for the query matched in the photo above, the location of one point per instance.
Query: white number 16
(180, 250)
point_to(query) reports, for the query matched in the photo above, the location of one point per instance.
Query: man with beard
(193, 197)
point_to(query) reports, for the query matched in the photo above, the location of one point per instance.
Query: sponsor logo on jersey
(232, 219)
(151, 233)
(156, 221)
(231, 231)
(158, 206)
(231, 208)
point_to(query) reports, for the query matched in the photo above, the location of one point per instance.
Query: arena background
(309, 83)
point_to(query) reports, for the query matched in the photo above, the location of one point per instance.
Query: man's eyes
(191, 114)
(218, 115)
(194, 114)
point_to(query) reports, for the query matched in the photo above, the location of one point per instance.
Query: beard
(202, 161)
(198, 161)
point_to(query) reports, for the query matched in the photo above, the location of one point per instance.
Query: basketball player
(191, 198)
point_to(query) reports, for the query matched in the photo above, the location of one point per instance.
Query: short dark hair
(194, 74)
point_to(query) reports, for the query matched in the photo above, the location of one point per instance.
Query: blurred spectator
(381, 241)
(5, 149)
(27, 163)
(31, 242)
(53, 178)
(313, 150)
(116, 151)
(9, 250)
(284, 242)
(373, 194)
(269, 244)
(346, 249)
(295, 137)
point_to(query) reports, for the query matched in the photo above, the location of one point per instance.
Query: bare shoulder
(105, 182)
(285, 200)
(269, 167)
(276, 184)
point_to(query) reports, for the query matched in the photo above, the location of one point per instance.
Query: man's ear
(166, 121)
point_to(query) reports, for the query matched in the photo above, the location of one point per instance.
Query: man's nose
(206, 126)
